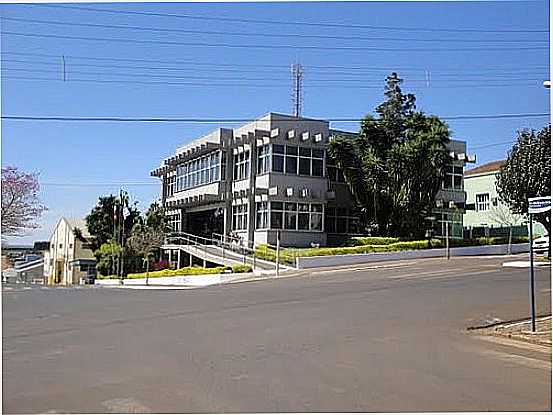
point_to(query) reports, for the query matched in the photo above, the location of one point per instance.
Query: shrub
(371, 240)
(237, 269)
(178, 272)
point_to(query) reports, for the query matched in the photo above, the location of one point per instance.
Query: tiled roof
(490, 167)
(78, 223)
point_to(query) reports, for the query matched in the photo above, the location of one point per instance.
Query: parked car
(541, 245)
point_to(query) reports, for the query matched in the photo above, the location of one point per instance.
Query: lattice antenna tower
(297, 89)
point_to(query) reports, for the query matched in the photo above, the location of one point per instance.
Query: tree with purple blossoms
(21, 206)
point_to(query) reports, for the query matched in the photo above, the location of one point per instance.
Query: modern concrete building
(274, 174)
(69, 258)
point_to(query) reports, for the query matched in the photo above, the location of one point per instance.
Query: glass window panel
(290, 219)
(303, 221)
(317, 168)
(291, 207)
(305, 152)
(303, 207)
(276, 220)
(276, 205)
(316, 222)
(330, 224)
(292, 150)
(317, 153)
(291, 165)
(316, 207)
(305, 166)
(278, 163)
(278, 149)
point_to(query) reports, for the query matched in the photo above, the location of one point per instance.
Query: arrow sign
(539, 204)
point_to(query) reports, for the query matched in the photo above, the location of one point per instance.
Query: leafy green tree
(527, 173)
(155, 217)
(104, 220)
(395, 165)
(106, 257)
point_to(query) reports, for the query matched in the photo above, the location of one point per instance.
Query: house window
(296, 216)
(277, 212)
(482, 202)
(263, 159)
(262, 210)
(242, 165)
(240, 217)
(453, 178)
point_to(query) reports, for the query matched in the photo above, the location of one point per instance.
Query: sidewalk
(522, 331)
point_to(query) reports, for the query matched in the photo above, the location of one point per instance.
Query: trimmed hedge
(238, 269)
(288, 255)
(182, 271)
(371, 240)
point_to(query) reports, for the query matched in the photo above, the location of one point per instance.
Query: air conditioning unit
(305, 192)
(318, 138)
(290, 191)
(461, 156)
(273, 191)
(274, 132)
(471, 158)
(305, 136)
(291, 134)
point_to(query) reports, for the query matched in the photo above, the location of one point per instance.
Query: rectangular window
(453, 178)
(203, 170)
(277, 215)
(242, 165)
(239, 217)
(263, 159)
(291, 160)
(303, 216)
(261, 216)
(290, 215)
(316, 217)
(305, 166)
(482, 202)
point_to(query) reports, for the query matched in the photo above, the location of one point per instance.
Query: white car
(541, 245)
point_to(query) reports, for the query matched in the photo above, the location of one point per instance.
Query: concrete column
(178, 259)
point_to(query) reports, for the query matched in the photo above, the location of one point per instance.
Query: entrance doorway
(206, 222)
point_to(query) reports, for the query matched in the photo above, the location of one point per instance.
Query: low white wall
(188, 280)
(337, 260)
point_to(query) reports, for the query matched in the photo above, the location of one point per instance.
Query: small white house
(70, 258)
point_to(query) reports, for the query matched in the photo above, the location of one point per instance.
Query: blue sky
(80, 161)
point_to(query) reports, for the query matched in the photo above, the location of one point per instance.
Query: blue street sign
(539, 204)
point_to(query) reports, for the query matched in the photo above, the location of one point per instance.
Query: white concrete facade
(273, 174)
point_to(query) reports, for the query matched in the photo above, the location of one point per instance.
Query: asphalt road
(388, 337)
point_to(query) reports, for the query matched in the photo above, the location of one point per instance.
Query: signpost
(535, 205)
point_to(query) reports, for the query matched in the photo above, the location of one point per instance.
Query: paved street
(387, 337)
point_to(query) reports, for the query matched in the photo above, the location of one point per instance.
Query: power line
(210, 78)
(265, 85)
(270, 35)
(295, 23)
(234, 120)
(257, 65)
(272, 71)
(250, 85)
(96, 184)
(259, 46)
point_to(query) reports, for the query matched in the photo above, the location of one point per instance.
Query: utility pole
(297, 89)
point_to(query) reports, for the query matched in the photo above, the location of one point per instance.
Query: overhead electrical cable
(271, 35)
(267, 46)
(233, 120)
(294, 23)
